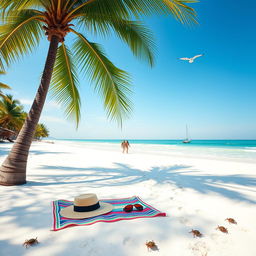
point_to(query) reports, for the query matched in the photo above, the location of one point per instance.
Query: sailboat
(187, 140)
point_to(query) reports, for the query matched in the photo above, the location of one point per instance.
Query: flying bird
(191, 60)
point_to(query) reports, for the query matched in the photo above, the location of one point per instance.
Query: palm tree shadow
(4, 150)
(178, 175)
(41, 152)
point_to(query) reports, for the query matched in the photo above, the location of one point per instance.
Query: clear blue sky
(215, 95)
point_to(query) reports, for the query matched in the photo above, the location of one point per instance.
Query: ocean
(206, 143)
(234, 150)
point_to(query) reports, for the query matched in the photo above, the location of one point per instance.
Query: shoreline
(179, 142)
(243, 155)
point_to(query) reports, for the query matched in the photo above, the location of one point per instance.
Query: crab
(30, 242)
(196, 233)
(230, 220)
(222, 229)
(151, 245)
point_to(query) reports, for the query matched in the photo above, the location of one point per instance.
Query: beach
(198, 188)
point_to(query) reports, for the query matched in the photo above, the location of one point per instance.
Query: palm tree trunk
(13, 169)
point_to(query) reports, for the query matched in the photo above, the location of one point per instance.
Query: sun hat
(86, 206)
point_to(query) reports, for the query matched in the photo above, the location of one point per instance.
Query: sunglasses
(129, 207)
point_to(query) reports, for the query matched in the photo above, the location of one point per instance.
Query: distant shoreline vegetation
(12, 118)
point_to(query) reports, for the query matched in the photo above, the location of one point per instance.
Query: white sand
(196, 193)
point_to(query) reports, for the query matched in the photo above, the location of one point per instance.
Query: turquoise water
(232, 150)
(197, 143)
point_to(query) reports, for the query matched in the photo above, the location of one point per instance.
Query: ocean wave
(250, 150)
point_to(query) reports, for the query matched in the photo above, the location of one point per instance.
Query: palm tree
(11, 113)
(3, 86)
(25, 22)
(41, 132)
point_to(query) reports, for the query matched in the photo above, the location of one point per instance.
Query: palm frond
(137, 36)
(41, 131)
(20, 35)
(180, 9)
(112, 83)
(2, 67)
(4, 86)
(64, 83)
(11, 113)
(20, 4)
(115, 8)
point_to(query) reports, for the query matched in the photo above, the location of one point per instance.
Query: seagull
(191, 60)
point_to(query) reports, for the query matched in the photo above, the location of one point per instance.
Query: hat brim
(68, 212)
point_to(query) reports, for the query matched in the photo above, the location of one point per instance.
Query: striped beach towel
(115, 215)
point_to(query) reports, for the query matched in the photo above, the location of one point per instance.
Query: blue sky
(215, 95)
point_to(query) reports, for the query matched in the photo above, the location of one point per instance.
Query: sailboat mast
(187, 140)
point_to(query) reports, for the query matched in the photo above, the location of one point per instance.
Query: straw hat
(85, 206)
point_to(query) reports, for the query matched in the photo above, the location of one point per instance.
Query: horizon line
(138, 139)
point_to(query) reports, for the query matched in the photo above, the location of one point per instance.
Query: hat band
(86, 208)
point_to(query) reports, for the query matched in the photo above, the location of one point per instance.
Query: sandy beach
(195, 192)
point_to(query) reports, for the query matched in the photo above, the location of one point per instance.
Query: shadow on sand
(178, 175)
(40, 213)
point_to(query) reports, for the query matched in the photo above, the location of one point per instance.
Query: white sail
(187, 140)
